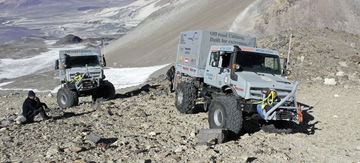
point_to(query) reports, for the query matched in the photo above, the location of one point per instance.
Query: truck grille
(92, 74)
(255, 93)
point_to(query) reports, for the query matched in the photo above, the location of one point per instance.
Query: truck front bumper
(286, 109)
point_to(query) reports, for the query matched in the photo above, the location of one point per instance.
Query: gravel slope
(145, 125)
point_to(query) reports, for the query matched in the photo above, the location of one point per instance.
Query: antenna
(289, 50)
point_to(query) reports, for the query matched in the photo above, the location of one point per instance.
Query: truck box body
(194, 47)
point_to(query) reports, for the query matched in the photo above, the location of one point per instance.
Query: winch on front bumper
(279, 105)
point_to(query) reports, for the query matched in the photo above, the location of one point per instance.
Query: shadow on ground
(146, 88)
(71, 114)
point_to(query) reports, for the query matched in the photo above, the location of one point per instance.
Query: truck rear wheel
(224, 113)
(67, 98)
(186, 94)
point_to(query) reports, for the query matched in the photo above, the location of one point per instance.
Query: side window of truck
(214, 59)
(225, 57)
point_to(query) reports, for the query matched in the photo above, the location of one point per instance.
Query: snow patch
(128, 77)
(120, 77)
(5, 83)
(13, 68)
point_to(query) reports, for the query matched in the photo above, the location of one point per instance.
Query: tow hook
(300, 114)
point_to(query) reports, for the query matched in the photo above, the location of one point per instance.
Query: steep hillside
(154, 42)
(275, 16)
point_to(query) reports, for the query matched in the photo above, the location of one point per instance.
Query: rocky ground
(142, 124)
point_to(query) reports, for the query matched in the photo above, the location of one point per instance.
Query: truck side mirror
(284, 70)
(57, 64)
(234, 67)
(104, 61)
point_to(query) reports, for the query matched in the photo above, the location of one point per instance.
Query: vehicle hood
(265, 80)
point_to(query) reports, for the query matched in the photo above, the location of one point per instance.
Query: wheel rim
(180, 97)
(63, 99)
(218, 117)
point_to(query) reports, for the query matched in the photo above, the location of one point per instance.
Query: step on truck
(81, 74)
(233, 78)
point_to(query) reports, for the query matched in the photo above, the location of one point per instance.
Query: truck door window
(214, 59)
(225, 57)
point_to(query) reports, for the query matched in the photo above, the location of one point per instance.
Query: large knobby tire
(186, 94)
(224, 113)
(67, 98)
(108, 90)
(105, 91)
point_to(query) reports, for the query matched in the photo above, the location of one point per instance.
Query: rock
(193, 134)
(50, 95)
(202, 148)
(153, 133)
(108, 112)
(343, 64)
(76, 149)
(212, 136)
(340, 73)
(336, 95)
(357, 148)
(6, 123)
(144, 161)
(140, 151)
(3, 129)
(52, 151)
(79, 161)
(244, 158)
(355, 59)
(302, 58)
(317, 78)
(145, 126)
(93, 138)
(212, 141)
(69, 39)
(179, 149)
(330, 81)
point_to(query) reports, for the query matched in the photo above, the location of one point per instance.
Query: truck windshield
(258, 62)
(81, 61)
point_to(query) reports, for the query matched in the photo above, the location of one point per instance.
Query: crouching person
(31, 108)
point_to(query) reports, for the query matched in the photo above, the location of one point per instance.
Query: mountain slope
(154, 42)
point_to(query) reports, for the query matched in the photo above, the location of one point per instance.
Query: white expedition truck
(234, 79)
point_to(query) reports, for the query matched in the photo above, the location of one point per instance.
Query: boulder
(211, 136)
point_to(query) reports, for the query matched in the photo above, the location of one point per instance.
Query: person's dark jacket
(29, 106)
(170, 74)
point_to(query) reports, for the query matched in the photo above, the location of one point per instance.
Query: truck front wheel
(67, 98)
(224, 113)
(186, 94)
(105, 91)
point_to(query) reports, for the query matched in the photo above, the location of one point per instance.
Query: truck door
(217, 72)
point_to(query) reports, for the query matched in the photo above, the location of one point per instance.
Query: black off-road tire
(105, 91)
(224, 113)
(67, 98)
(186, 94)
(108, 90)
